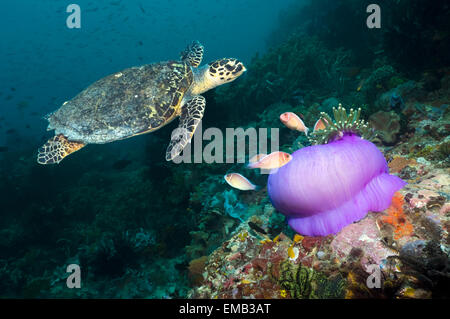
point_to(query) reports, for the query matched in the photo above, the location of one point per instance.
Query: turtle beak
(239, 68)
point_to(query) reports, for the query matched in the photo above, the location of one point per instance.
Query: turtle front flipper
(193, 54)
(191, 115)
(56, 149)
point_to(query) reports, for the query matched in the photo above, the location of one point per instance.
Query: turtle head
(217, 73)
(225, 70)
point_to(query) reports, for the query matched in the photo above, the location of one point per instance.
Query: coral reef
(256, 265)
(196, 268)
(387, 126)
(290, 73)
(396, 217)
(398, 163)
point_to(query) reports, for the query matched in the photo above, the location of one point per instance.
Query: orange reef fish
(320, 124)
(256, 158)
(238, 181)
(272, 161)
(292, 121)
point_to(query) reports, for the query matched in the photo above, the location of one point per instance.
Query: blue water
(44, 63)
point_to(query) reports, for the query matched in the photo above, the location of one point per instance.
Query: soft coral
(397, 218)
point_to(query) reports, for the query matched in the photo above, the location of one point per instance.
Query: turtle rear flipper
(193, 54)
(56, 149)
(191, 115)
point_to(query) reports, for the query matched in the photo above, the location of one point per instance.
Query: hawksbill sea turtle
(136, 101)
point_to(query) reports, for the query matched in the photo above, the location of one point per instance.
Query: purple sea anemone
(326, 187)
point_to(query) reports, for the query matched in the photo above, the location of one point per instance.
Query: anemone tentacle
(342, 124)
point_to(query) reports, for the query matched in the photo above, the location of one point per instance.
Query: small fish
(256, 158)
(360, 85)
(10, 131)
(320, 125)
(272, 161)
(293, 122)
(3, 149)
(238, 181)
